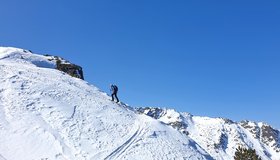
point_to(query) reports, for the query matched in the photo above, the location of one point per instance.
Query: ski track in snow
(2, 158)
(122, 148)
(74, 111)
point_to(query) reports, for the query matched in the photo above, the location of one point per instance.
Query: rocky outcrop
(224, 133)
(152, 112)
(169, 117)
(251, 127)
(67, 67)
(270, 137)
(222, 143)
(265, 133)
(71, 69)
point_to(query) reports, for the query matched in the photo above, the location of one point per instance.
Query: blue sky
(209, 58)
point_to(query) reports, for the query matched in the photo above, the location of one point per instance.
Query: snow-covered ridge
(25, 56)
(43, 61)
(47, 114)
(219, 136)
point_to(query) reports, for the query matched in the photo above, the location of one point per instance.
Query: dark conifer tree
(246, 154)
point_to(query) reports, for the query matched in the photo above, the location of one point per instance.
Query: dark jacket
(114, 89)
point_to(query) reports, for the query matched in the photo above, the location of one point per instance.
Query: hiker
(114, 91)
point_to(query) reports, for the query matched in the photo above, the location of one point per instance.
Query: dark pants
(115, 94)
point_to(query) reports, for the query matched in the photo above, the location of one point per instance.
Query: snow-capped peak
(219, 136)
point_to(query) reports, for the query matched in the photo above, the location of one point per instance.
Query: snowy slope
(46, 114)
(220, 137)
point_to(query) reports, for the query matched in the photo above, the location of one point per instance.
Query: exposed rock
(265, 133)
(67, 67)
(251, 127)
(158, 113)
(152, 112)
(270, 137)
(228, 121)
(71, 69)
(223, 142)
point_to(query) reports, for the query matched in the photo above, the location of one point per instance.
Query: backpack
(116, 88)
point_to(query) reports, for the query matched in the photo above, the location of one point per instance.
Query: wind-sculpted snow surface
(46, 114)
